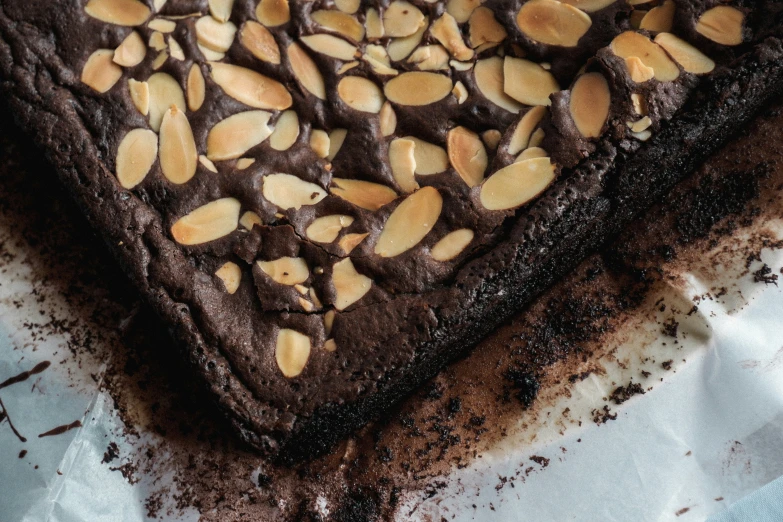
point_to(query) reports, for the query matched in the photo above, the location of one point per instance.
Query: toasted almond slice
(527, 82)
(591, 6)
(637, 17)
(286, 270)
(339, 22)
(162, 25)
(231, 275)
(430, 58)
(460, 92)
(722, 24)
(306, 305)
(178, 155)
(373, 24)
(272, 13)
(319, 142)
(660, 18)
(326, 229)
(350, 241)
(196, 88)
(446, 31)
(135, 156)
(641, 125)
(516, 184)
(462, 9)
(524, 129)
(259, 41)
(491, 138)
(336, 140)
(485, 29)
(306, 71)
(589, 104)
(215, 35)
(207, 223)
(158, 4)
(489, 79)
(140, 95)
(209, 54)
(286, 131)
(250, 219)
(378, 59)
(452, 244)
(429, 158)
(349, 285)
(243, 163)
(403, 164)
(250, 87)
(292, 350)
(400, 48)
(330, 345)
(401, 19)
(314, 298)
(235, 135)
(553, 23)
(347, 6)
(530, 153)
(467, 154)
(207, 164)
(630, 43)
(158, 41)
(287, 191)
(639, 104)
(388, 119)
(361, 94)
(159, 60)
(690, 58)
(537, 138)
(164, 92)
(118, 12)
(461, 66)
(221, 9)
(329, 321)
(418, 88)
(639, 72)
(176, 49)
(100, 72)
(131, 51)
(344, 68)
(363, 194)
(330, 46)
(410, 222)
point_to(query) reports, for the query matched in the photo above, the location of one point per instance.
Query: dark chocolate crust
(390, 344)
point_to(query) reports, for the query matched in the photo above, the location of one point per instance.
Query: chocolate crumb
(682, 511)
(111, 453)
(765, 275)
(22, 454)
(667, 365)
(623, 393)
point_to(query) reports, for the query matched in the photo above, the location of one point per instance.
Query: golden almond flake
(401, 48)
(158, 4)
(537, 138)
(330, 345)
(235, 135)
(630, 43)
(373, 24)
(347, 6)
(207, 163)
(530, 153)
(639, 72)
(250, 219)
(350, 241)
(527, 82)
(689, 57)
(460, 92)
(178, 155)
(286, 270)
(636, 18)
(485, 30)
(349, 285)
(489, 80)
(591, 6)
(157, 41)
(292, 350)
(452, 245)
(326, 229)
(118, 12)
(100, 72)
(176, 50)
(301, 289)
(520, 139)
(460, 66)
(516, 184)
(361, 94)
(553, 23)
(259, 41)
(135, 156)
(196, 88)
(209, 54)
(344, 68)
(491, 138)
(330, 46)
(286, 131)
(140, 95)
(410, 222)
(306, 305)
(131, 51)
(363, 194)
(446, 31)
(159, 60)
(639, 104)
(336, 140)
(429, 158)
(339, 22)
(162, 25)
(642, 136)
(329, 321)
(306, 71)
(467, 154)
(207, 223)
(164, 91)
(641, 125)
(314, 298)
(215, 35)
(378, 59)
(231, 275)
(722, 24)
(430, 58)
(221, 9)
(287, 191)
(250, 87)
(660, 18)
(388, 119)
(272, 13)
(461, 10)
(589, 104)
(403, 164)
(319, 142)
(417, 88)
(402, 19)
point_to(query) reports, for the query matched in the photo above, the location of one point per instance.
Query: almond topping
(319, 142)
(314, 298)
(140, 95)
(659, 19)
(178, 155)
(467, 154)
(159, 60)
(349, 285)
(196, 88)
(249, 219)
(336, 140)
(639, 104)
(363, 194)
(530, 153)
(207, 164)
(374, 24)
(207, 223)
(339, 22)
(484, 29)
(489, 80)
(403, 164)
(215, 35)
(350, 241)
(527, 82)
(243, 163)
(641, 125)
(135, 156)
(537, 138)
(176, 50)
(553, 23)
(272, 13)
(131, 51)
(330, 46)
(524, 129)
(250, 87)
(164, 92)
(451, 245)
(158, 4)
(209, 54)
(286, 270)
(118, 12)
(157, 41)
(292, 349)
(347, 6)
(221, 9)
(690, 58)
(344, 68)
(400, 48)
(259, 41)
(462, 9)
(629, 44)
(636, 18)
(326, 229)
(491, 138)
(361, 94)
(591, 6)
(418, 88)
(235, 135)
(722, 24)
(516, 184)
(402, 19)
(329, 321)
(287, 191)
(430, 58)
(410, 222)
(231, 275)
(330, 345)
(388, 119)
(306, 71)
(639, 72)
(378, 59)
(162, 25)
(100, 72)
(460, 92)
(430, 159)
(589, 105)
(446, 31)
(286, 131)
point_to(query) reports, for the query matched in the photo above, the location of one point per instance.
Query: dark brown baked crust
(393, 342)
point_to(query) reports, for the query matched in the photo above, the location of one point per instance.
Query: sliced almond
(286, 270)
(489, 79)
(329, 321)
(326, 229)
(250, 219)
(537, 138)
(722, 24)
(591, 6)
(446, 31)
(292, 350)
(462, 9)
(162, 25)
(176, 49)
(272, 13)
(100, 72)
(344, 68)
(164, 92)
(361, 94)
(339, 22)
(410, 222)
(484, 29)
(378, 59)
(118, 12)
(632, 44)
(158, 41)
(231, 275)
(159, 60)
(388, 119)
(460, 66)
(467, 154)
(660, 18)
(589, 105)
(639, 72)
(243, 163)
(553, 23)
(641, 125)
(287, 191)
(178, 155)
(215, 35)
(403, 164)
(524, 129)
(314, 298)
(350, 241)
(319, 142)
(286, 131)
(527, 82)
(221, 9)
(306, 71)
(347, 6)
(530, 153)
(418, 88)
(196, 88)
(235, 135)
(452, 244)
(430, 58)
(336, 139)
(516, 184)
(690, 58)
(429, 158)
(349, 285)
(330, 46)
(140, 95)
(401, 19)
(491, 138)
(363, 194)
(306, 305)
(207, 164)
(636, 18)
(330, 345)
(373, 24)
(259, 41)
(250, 87)
(131, 51)
(207, 223)
(639, 104)
(460, 92)
(401, 48)
(209, 54)
(135, 156)
(158, 4)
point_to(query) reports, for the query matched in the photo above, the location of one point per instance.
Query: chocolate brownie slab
(329, 200)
